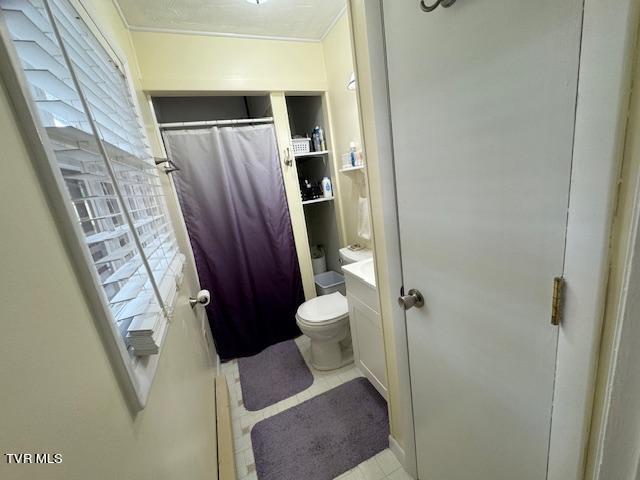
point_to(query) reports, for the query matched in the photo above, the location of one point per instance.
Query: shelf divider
(312, 154)
(351, 169)
(317, 200)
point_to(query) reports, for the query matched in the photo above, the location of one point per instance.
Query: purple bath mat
(274, 374)
(323, 437)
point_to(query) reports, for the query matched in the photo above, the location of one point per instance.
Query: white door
(482, 99)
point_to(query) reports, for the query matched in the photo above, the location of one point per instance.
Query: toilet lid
(323, 309)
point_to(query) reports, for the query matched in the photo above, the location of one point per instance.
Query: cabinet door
(368, 347)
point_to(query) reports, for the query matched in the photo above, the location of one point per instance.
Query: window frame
(134, 374)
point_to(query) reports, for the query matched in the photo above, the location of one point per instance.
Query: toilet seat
(323, 310)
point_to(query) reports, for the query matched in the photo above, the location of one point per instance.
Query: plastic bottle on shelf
(315, 140)
(323, 142)
(352, 154)
(327, 191)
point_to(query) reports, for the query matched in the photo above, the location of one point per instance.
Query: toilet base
(330, 355)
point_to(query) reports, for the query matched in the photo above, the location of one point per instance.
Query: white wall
(58, 391)
(197, 63)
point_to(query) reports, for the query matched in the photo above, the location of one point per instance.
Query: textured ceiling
(303, 19)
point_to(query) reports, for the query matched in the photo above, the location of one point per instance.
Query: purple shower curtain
(232, 196)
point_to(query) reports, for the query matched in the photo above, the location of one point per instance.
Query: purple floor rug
(274, 374)
(323, 437)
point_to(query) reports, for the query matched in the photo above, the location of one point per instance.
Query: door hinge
(557, 300)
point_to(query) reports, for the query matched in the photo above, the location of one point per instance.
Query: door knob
(413, 299)
(203, 297)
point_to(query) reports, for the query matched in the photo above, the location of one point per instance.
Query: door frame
(604, 80)
(613, 452)
(615, 437)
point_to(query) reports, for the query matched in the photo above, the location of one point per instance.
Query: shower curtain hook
(431, 8)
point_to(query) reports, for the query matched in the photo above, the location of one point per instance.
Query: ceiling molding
(333, 22)
(136, 28)
(121, 13)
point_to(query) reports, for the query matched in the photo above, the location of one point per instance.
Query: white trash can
(329, 282)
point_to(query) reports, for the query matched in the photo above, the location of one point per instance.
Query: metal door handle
(413, 299)
(203, 297)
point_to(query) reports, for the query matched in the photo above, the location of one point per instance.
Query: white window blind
(111, 179)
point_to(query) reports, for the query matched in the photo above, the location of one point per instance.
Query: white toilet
(325, 320)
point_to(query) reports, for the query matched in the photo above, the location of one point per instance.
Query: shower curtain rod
(215, 123)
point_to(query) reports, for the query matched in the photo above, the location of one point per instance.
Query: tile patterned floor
(383, 466)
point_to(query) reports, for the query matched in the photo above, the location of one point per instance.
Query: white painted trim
(608, 37)
(397, 450)
(618, 442)
(118, 8)
(617, 451)
(155, 127)
(337, 18)
(178, 31)
(609, 33)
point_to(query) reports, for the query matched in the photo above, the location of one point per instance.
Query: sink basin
(363, 271)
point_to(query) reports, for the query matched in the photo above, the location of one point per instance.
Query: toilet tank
(347, 255)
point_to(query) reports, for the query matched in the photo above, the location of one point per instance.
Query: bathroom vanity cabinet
(366, 323)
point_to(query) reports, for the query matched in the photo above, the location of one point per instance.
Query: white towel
(364, 222)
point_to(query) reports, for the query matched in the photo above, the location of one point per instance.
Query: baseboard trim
(397, 450)
(226, 452)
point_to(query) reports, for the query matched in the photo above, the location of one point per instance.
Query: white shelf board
(312, 154)
(317, 200)
(351, 169)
